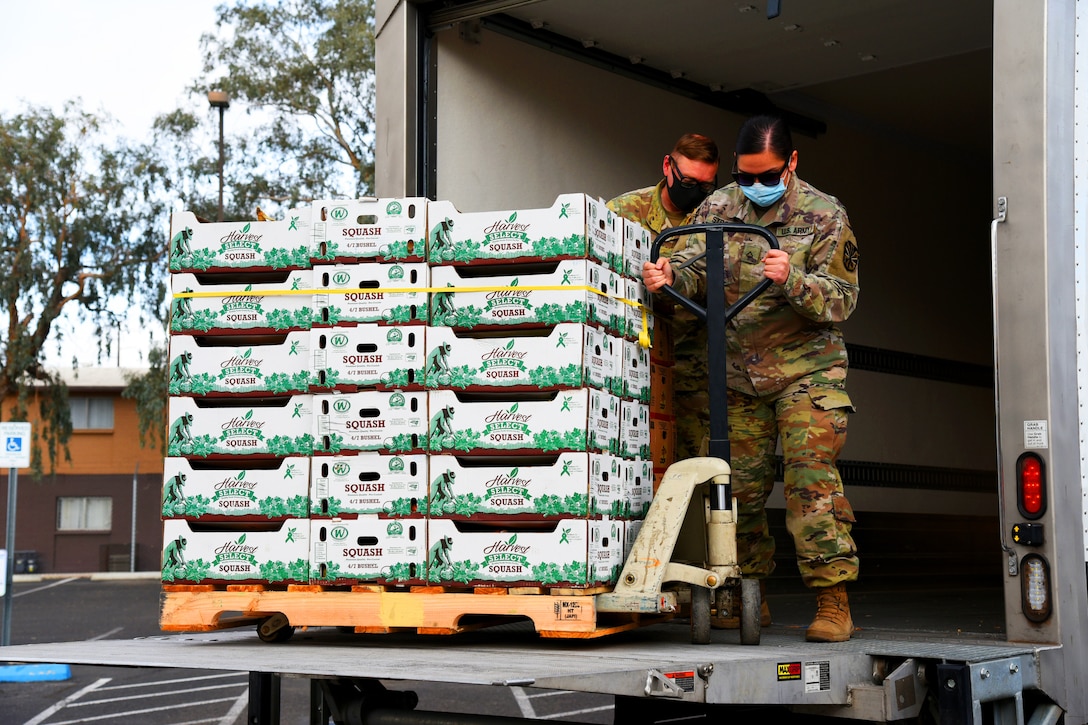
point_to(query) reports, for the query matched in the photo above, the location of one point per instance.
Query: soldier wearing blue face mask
(786, 364)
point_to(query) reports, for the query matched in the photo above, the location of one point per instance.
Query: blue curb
(34, 673)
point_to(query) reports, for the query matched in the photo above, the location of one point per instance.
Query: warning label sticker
(684, 680)
(818, 676)
(789, 671)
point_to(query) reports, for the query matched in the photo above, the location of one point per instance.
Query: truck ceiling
(820, 59)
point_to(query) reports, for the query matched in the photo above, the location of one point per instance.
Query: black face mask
(685, 198)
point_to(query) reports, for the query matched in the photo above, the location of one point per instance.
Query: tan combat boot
(832, 622)
(731, 619)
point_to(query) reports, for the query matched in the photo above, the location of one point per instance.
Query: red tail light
(1031, 485)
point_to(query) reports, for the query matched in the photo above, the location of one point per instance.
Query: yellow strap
(643, 336)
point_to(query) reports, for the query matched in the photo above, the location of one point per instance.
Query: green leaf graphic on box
(401, 571)
(332, 443)
(332, 571)
(332, 506)
(400, 507)
(331, 316)
(402, 442)
(464, 505)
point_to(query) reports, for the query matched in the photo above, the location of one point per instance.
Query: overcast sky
(132, 59)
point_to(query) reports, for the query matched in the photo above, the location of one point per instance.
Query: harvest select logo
(507, 426)
(235, 556)
(241, 245)
(235, 492)
(241, 369)
(503, 362)
(508, 489)
(242, 308)
(242, 432)
(506, 557)
(508, 303)
(506, 236)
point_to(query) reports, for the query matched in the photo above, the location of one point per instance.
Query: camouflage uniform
(786, 372)
(691, 403)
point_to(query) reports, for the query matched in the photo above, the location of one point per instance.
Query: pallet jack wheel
(275, 629)
(750, 607)
(700, 615)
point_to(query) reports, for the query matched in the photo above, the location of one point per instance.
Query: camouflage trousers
(810, 421)
(691, 399)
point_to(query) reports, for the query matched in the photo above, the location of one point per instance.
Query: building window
(91, 413)
(84, 513)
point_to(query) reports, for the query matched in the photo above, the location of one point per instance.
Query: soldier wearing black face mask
(690, 174)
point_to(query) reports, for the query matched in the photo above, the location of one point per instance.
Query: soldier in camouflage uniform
(691, 173)
(786, 364)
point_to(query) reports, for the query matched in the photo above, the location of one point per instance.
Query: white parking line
(129, 713)
(571, 713)
(524, 705)
(240, 706)
(146, 695)
(115, 630)
(48, 712)
(174, 681)
(47, 586)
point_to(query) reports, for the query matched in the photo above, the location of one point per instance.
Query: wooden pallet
(374, 609)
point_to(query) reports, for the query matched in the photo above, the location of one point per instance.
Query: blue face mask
(764, 196)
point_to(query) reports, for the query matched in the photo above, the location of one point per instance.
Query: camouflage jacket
(789, 331)
(644, 206)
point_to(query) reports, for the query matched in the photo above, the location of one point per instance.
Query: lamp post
(220, 100)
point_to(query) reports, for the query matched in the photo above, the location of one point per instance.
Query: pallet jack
(650, 581)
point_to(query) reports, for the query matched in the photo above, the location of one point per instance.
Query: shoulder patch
(850, 256)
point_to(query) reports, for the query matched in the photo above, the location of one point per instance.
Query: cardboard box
(368, 356)
(528, 296)
(197, 246)
(637, 242)
(661, 388)
(662, 442)
(567, 553)
(511, 487)
(234, 492)
(661, 351)
(576, 226)
(639, 487)
(634, 429)
(368, 483)
(640, 315)
(630, 535)
(368, 549)
(243, 554)
(636, 371)
(356, 230)
(226, 427)
(584, 419)
(388, 294)
(568, 355)
(223, 304)
(370, 420)
(240, 365)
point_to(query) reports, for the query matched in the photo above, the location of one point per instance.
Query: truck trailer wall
(517, 125)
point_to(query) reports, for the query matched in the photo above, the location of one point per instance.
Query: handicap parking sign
(16, 448)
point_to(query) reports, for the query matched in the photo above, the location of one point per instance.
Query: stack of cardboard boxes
(356, 400)
(236, 482)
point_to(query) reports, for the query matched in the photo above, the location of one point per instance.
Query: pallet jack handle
(717, 316)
